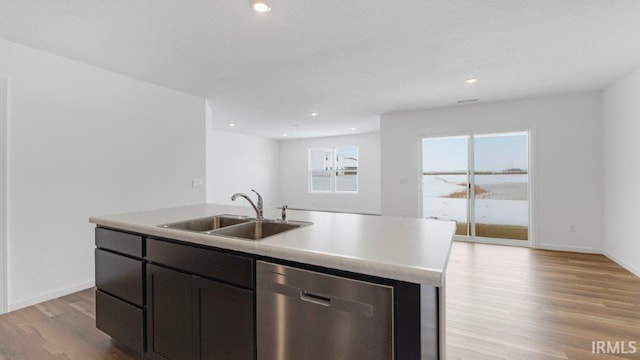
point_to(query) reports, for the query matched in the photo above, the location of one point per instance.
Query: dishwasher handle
(334, 302)
(315, 299)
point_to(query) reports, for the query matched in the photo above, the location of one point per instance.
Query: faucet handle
(284, 212)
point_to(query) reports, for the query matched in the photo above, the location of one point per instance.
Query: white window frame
(532, 177)
(333, 179)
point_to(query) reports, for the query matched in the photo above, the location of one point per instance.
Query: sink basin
(259, 229)
(207, 223)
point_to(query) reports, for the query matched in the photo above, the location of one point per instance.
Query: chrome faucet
(258, 208)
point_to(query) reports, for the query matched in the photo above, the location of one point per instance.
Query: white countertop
(412, 250)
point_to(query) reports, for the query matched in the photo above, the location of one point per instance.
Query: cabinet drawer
(120, 276)
(121, 242)
(122, 321)
(229, 268)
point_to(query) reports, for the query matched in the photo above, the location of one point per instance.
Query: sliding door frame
(531, 186)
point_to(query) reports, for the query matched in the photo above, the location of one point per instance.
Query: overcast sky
(492, 153)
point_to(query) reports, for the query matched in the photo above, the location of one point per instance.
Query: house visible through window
(333, 170)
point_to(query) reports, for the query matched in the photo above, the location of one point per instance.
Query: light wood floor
(502, 303)
(517, 303)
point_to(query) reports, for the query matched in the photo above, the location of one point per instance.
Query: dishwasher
(309, 315)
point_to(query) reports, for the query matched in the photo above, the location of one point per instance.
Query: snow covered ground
(480, 179)
(495, 212)
(442, 185)
(495, 209)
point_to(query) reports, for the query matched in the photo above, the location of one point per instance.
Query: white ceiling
(349, 60)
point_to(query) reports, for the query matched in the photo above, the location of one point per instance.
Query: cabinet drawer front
(120, 276)
(122, 321)
(119, 241)
(229, 268)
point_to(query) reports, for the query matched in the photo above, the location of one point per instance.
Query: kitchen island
(408, 255)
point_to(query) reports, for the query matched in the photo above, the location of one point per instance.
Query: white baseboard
(489, 241)
(50, 295)
(579, 249)
(632, 269)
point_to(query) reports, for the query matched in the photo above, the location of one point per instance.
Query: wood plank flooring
(502, 303)
(60, 329)
(517, 303)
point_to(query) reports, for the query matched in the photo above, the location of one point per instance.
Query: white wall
(294, 174)
(3, 194)
(567, 160)
(239, 163)
(83, 142)
(621, 131)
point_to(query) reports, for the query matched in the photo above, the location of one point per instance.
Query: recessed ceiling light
(232, 124)
(471, 80)
(261, 6)
(353, 129)
(314, 114)
(284, 135)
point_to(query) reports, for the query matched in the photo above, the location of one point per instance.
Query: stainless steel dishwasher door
(305, 315)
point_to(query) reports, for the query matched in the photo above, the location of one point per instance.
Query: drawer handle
(316, 299)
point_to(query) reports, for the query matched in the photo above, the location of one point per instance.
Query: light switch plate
(196, 183)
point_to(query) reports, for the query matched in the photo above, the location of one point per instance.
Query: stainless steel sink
(208, 223)
(259, 229)
(242, 227)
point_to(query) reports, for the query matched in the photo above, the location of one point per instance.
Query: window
(333, 170)
(321, 166)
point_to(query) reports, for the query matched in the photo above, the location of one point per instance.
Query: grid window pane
(333, 170)
(347, 169)
(321, 168)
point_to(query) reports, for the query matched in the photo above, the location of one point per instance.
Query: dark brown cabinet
(169, 314)
(119, 281)
(209, 263)
(120, 242)
(174, 301)
(189, 317)
(122, 321)
(224, 327)
(120, 276)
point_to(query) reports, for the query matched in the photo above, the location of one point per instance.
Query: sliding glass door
(501, 178)
(481, 181)
(445, 180)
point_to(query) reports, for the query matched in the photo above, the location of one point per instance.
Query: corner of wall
(620, 131)
(208, 152)
(22, 303)
(4, 94)
(629, 267)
